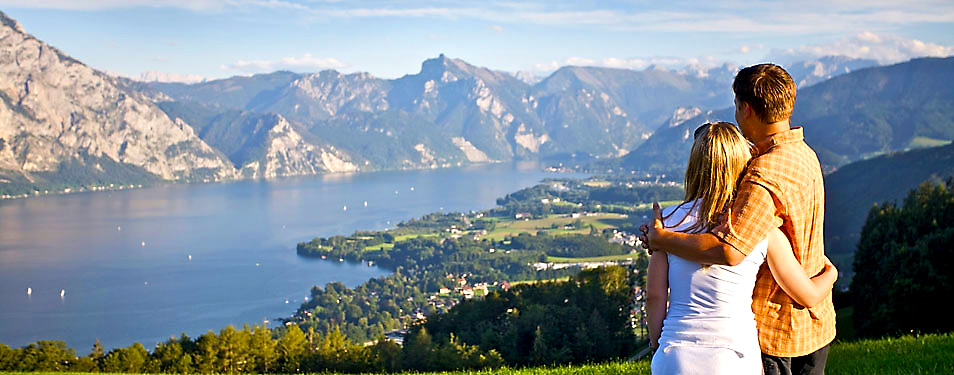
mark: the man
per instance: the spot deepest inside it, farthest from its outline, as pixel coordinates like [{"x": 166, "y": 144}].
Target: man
[{"x": 782, "y": 188}]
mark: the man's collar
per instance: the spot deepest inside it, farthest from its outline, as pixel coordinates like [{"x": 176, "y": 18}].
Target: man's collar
[{"x": 793, "y": 134}]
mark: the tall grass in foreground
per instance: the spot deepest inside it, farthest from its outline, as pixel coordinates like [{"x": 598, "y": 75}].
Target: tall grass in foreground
[{"x": 922, "y": 354}]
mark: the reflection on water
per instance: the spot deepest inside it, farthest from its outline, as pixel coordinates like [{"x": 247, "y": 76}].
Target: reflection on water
[{"x": 142, "y": 265}]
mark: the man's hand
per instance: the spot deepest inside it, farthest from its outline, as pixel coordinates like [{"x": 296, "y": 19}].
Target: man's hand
[{"x": 650, "y": 233}]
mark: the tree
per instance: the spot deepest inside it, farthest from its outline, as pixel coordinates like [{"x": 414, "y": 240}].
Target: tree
[
  {"x": 167, "y": 355},
  {"x": 262, "y": 350},
  {"x": 386, "y": 356},
  {"x": 417, "y": 350},
  {"x": 291, "y": 348},
  {"x": 97, "y": 353},
  {"x": 904, "y": 263},
  {"x": 7, "y": 358},
  {"x": 540, "y": 352},
  {"x": 233, "y": 349},
  {"x": 128, "y": 360},
  {"x": 207, "y": 353},
  {"x": 84, "y": 364}
]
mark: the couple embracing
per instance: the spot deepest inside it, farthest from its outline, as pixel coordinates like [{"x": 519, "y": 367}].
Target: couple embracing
[{"x": 742, "y": 260}]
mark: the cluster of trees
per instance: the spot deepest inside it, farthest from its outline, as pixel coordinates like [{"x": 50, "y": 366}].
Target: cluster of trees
[
  {"x": 367, "y": 311},
  {"x": 904, "y": 265},
  {"x": 345, "y": 247},
  {"x": 573, "y": 246},
  {"x": 619, "y": 196},
  {"x": 435, "y": 221},
  {"x": 582, "y": 320},
  {"x": 422, "y": 266},
  {"x": 255, "y": 350}
]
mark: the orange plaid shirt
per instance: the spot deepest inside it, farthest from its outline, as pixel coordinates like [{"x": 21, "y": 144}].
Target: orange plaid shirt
[{"x": 783, "y": 187}]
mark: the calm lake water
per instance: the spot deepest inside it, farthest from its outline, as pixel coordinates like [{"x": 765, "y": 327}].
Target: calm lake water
[{"x": 141, "y": 265}]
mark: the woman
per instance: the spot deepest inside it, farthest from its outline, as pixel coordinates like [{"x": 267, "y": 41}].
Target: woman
[{"x": 709, "y": 327}]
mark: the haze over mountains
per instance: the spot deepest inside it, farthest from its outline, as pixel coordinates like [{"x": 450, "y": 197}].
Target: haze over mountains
[{"x": 64, "y": 124}]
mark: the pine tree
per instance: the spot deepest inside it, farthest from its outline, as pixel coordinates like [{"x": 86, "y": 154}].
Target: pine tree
[
  {"x": 386, "y": 355},
  {"x": 417, "y": 350},
  {"x": 540, "y": 352},
  {"x": 291, "y": 348},
  {"x": 207, "y": 356},
  {"x": 262, "y": 350},
  {"x": 233, "y": 348},
  {"x": 168, "y": 355},
  {"x": 97, "y": 354}
]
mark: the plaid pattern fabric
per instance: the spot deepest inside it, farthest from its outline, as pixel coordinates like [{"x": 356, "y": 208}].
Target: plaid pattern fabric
[{"x": 783, "y": 188}]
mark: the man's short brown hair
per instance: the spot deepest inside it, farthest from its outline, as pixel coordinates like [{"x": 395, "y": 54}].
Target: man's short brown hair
[{"x": 768, "y": 89}]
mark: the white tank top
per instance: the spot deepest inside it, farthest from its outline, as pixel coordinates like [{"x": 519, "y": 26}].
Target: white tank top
[{"x": 710, "y": 306}]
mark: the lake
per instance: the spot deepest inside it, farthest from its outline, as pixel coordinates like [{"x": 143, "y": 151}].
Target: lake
[{"x": 141, "y": 265}]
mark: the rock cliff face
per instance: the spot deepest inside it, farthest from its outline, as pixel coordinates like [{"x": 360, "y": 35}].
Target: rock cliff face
[
  {"x": 55, "y": 111},
  {"x": 287, "y": 153}
]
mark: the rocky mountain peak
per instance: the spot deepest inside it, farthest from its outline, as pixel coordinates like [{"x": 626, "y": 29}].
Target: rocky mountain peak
[
  {"x": 56, "y": 112},
  {"x": 443, "y": 68},
  {"x": 11, "y": 23}
]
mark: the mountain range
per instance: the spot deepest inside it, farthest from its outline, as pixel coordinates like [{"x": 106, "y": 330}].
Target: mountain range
[
  {"x": 64, "y": 124},
  {"x": 850, "y": 117}
]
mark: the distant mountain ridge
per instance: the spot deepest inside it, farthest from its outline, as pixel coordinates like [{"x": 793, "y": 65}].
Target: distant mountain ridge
[
  {"x": 471, "y": 114},
  {"x": 850, "y": 117}
]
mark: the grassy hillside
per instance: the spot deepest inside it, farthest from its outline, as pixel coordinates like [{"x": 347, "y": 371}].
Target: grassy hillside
[
  {"x": 925, "y": 354},
  {"x": 853, "y": 189}
]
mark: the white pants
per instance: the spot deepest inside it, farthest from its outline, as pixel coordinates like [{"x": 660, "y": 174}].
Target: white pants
[{"x": 690, "y": 359}]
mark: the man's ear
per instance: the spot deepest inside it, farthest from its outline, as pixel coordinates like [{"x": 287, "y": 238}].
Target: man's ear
[{"x": 746, "y": 110}]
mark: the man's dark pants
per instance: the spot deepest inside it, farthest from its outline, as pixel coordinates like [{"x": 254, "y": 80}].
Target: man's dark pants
[{"x": 811, "y": 364}]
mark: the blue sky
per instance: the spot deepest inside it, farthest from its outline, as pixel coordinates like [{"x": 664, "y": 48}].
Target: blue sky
[{"x": 181, "y": 39}]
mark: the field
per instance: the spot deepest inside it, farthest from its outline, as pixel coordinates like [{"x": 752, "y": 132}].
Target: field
[
  {"x": 591, "y": 259},
  {"x": 554, "y": 225},
  {"x": 397, "y": 239}
]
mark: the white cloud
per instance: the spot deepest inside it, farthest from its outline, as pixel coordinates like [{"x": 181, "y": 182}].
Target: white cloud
[
  {"x": 304, "y": 63},
  {"x": 628, "y": 63},
  {"x": 794, "y": 18},
  {"x": 885, "y": 49},
  {"x": 156, "y": 76},
  {"x": 497, "y": 28},
  {"x": 113, "y": 4}
]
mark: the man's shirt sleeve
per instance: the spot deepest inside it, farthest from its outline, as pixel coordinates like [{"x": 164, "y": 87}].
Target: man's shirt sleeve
[{"x": 753, "y": 215}]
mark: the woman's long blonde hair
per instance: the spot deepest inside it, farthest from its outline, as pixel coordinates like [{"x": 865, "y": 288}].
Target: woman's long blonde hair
[{"x": 718, "y": 159}]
